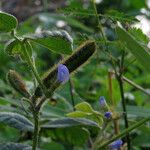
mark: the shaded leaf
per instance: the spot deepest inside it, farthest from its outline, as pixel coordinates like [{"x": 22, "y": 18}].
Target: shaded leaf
[
  {"x": 16, "y": 120},
  {"x": 57, "y": 41},
  {"x": 14, "y": 146},
  {"x": 137, "y": 111},
  {"x": 7, "y": 22},
  {"x": 6, "y": 101},
  {"x": 70, "y": 122},
  {"x": 72, "y": 135},
  {"x": 13, "y": 47}
]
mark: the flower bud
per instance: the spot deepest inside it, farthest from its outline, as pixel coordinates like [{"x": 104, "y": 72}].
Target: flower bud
[
  {"x": 17, "y": 83},
  {"x": 108, "y": 115},
  {"x": 62, "y": 73},
  {"x": 102, "y": 101},
  {"x": 115, "y": 145}
]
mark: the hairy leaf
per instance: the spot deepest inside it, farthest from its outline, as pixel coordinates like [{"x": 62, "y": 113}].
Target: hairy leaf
[
  {"x": 7, "y": 22},
  {"x": 16, "y": 120},
  {"x": 73, "y": 62},
  {"x": 85, "y": 107},
  {"x": 13, "y": 47},
  {"x": 70, "y": 122},
  {"x": 56, "y": 41},
  {"x": 14, "y": 146}
]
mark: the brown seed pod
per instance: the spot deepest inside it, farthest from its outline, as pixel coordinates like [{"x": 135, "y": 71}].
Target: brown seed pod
[{"x": 17, "y": 83}]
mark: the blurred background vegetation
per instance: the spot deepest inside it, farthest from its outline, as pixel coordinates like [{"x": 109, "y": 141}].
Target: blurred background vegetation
[{"x": 90, "y": 81}]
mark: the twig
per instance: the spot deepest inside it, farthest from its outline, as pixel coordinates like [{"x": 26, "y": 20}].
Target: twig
[
  {"x": 71, "y": 93},
  {"x": 116, "y": 122},
  {"x": 125, "y": 132},
  {"x": 136, "y": 85},
  {"x": 123, "y": 100}
]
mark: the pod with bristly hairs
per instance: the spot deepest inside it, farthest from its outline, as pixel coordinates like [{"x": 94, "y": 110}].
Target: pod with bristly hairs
[
  {"x": 78, "y": 58},
  {"x": 17, "y": 83}
]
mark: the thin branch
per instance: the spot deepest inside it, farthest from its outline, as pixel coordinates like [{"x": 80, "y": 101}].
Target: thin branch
[
  {"x": 123, "y": 100},
  {"x": 71, "y": 93},
  {"x": 125, "y": 132}
]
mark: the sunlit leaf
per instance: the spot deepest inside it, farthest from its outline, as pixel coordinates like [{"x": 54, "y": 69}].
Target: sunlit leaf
[{"x": 140, "y": 52}]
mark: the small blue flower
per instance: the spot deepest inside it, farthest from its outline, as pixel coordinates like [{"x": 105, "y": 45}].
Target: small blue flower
[
  {"x": 62, "y": 74},
  {"x": 108, "y": 115},
  {"x": 115, "y": 145},
  {"x": 102, "y": 101}
]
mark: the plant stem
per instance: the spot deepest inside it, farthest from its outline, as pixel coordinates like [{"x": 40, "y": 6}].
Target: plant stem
[
  {"x": 110, "y": 91},
  {"x": 124, "y": 110},
  {"x": 136, "y": 85},
  {"x": 125, "y": 132},
  {"x": 31, "y": 65},
  {"x": 123, "y": 100},
  {"x": 35, "y": 112},
  {"x": 36, "y": 130},
  {"x": 98, "y": 138},
  {"x": 98, "y": 21},
  {"x": 71, "y": 93}
]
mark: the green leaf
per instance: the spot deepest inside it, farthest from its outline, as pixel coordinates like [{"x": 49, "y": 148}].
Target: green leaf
[
  {"x": 13, "y": 47},
  {"x": 68, "y": 129},
  {"x": 16, "y": 120},
  {"x": 78, "y": 114},
  {"x": 7, "y": 22},
  {"x": 72, "y": 135},
  {"x": 120, "y": 16},
  {"x": 70, "y": 122},
  {"x": 6, "y": 101},
  {"x": 14, "y": 146},
  {"x": 52, "y": 146},
  {"x": 140, "y": 52},
  {"x": 139, "y": 36},
  {"x": 56, "y": 41},
  {"x": 85, "y": 107},
  {"x": 137, "y": 111}
]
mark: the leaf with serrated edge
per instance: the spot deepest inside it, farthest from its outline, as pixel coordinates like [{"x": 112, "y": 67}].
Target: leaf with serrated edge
[{"x": 142, "y": 55}]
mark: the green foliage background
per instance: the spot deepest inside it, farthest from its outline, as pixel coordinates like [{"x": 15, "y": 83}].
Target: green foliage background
[{"x": 90, "y": 82}]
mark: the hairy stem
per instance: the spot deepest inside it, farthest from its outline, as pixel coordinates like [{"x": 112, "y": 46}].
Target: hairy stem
[
  {"x": 36, "y": 130},
  {"x": 98, "y": 21},
  {"x": 33, "y": 68},
  {"x": 125, "y": 132}
]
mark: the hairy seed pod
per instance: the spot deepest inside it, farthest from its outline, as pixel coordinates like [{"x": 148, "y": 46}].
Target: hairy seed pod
[
  {"x": 17, "y": 83},
  {"x": 78, "y": 58}
]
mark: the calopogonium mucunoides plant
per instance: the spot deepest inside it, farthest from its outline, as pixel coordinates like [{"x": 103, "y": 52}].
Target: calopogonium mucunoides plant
[{"x": 83, "y": 115}]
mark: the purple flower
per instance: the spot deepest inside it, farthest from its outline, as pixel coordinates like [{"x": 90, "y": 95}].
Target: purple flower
[
  {"x": 115, "y": 145},
  {"x": 102, "y": 101},
  {"x": 108, "y": 115},
  {"x": 62, "y": 74}
]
